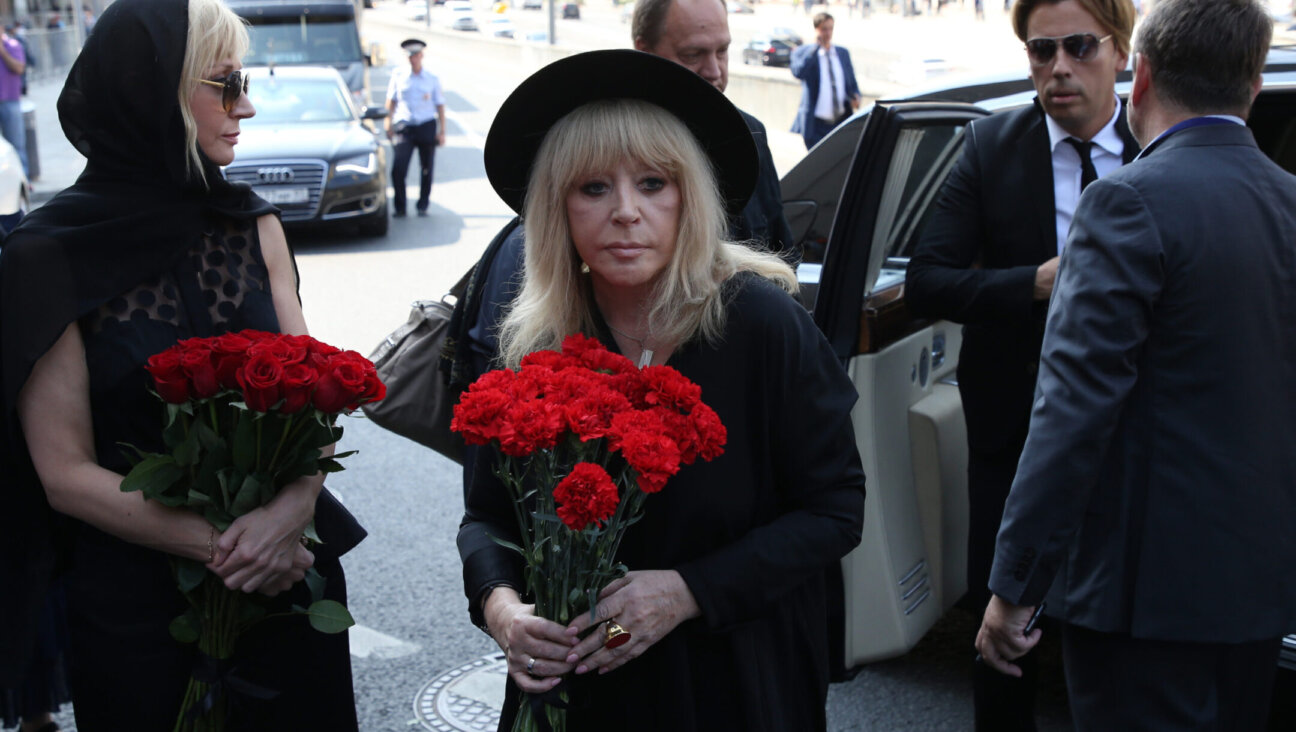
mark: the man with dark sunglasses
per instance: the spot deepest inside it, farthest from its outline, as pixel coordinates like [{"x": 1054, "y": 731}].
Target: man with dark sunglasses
[
  {"x": 988, "y": 256},
  {"x": 1156, "y": 490}
]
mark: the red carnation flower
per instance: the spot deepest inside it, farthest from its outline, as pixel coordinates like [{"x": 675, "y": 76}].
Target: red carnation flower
[
  {"x": 531, "y": 425},
  {"x": 478, "y": 415},
  {"x": 586, "y": 496},
  {"x": 667, "y": 387}
]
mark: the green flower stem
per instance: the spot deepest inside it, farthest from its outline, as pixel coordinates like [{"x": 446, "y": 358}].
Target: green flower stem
[{"x": 289, "y": 423}]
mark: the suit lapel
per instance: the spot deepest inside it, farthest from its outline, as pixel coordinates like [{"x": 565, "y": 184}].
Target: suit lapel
[{"x": 1037, "y": 161}]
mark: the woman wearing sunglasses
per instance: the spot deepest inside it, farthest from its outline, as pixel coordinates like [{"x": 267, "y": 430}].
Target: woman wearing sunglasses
[{"x": 151, "y": 245}]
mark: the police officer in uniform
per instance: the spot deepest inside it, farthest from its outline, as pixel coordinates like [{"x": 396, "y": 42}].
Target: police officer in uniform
[{"x": 417, "y": 120}]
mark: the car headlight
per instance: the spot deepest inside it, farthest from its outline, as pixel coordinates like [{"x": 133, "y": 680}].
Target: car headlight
[{"x": 362, "y": 165}]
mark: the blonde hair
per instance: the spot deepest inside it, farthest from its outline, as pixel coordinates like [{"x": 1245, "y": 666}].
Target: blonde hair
[
  {"x": 215, "y": 33},
  {"x": 687, "y": 302}
]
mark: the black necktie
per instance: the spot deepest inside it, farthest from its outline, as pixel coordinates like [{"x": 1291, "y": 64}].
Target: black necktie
[{"x": 1087, "y": 172}]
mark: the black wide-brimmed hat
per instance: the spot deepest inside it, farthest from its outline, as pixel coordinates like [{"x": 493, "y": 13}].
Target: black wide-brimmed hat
[{"x": 550, "y": 93}]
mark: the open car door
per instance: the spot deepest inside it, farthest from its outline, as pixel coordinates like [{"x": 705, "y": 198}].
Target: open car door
[{"x": 910, "y": 565}]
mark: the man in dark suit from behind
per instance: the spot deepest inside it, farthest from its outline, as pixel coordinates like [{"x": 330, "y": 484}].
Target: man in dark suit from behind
[
  {"x": 1155, "y": 495},
  {"x": 988, "y": 256}
]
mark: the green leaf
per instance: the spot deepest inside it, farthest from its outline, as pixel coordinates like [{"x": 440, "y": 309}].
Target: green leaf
[
  {"x": 329, "y": 465},
  {"x": 197, "y": 499},
  {"x": 315, "y": 582},
  {"x": 189, "y": 451},
  {"x": 185, "y": 628},
  {"x": 189, "y": 574},
  {"x": 508, "y": 545},
  {"x": 248, "y": 496},
  {"x": 153, "y": 476},
  {"x": 329, "y": 616},
  {"x": 340, "y": 455}
]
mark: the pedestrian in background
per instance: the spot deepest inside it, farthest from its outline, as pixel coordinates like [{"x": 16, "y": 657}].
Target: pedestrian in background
[
  {"x": 829, "y": 92},
  {"x": 149, "y": 246},
  {"x": 416, "y": 121},
  {"x": 13, "y": 64},
  {"x": 1154, "y": 499}
]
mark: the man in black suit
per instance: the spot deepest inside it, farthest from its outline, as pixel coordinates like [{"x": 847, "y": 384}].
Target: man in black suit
[
  {"x": 988, "y": 257},
  {"x": 1158, "y": 482}
]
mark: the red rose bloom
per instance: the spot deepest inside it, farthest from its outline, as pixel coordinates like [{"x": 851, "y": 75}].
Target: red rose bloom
[
  {"x": 587, "y": 495},
  {"x": 260, "y": 380},
  {"x": 342, "y": 382},
  {"x": 298, "y": 385},
  {"x": 196, "y": 359},
  {"x": 286, "y": 348},
  {"x": 229, "y": 352},
  {"x": 169, "y": 377}
]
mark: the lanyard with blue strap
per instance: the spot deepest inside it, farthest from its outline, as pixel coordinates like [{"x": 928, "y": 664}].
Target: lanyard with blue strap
[{"x": 1186, "y": 124}]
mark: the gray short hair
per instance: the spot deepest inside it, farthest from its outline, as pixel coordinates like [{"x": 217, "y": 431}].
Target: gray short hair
[
  {"x": 1206, "y": 54},
  {"x": 649, "y": 21}
]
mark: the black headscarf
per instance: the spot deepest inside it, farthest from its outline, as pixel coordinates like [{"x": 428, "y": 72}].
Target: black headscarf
[{"x": 132, "y": 214}]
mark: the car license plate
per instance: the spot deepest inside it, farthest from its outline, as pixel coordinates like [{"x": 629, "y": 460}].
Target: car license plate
[{"x": 283, "y": 194}]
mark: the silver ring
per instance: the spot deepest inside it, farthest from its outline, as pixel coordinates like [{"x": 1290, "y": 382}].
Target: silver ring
[{"x": 531, "y": 667}]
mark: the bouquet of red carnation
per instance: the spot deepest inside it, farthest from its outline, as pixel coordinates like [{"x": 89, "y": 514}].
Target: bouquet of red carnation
[
  {"x": 246, "y": 414},
  {"x": 584, "y": 437}
]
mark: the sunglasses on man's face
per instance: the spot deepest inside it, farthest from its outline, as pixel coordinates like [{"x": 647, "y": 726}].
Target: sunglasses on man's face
[
  {"x": 1079, "y": 46},
  {"x": 232, "y": 87}
]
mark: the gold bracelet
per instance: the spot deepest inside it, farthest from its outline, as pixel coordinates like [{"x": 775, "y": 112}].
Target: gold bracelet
[{"x": 211, "y": 548}]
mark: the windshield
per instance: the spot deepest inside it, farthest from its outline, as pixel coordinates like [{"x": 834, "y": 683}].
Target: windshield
[
  {"x": 280, "y": 101},
  {"x": 295, "y": 40}
]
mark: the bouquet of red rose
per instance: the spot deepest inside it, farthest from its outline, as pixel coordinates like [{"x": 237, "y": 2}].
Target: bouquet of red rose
[
  {"x": 584, "y": 437},
  {"x": 246, "y": 414}
]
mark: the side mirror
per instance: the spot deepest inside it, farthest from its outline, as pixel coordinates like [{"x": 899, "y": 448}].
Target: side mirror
[{"x": 374, "y": 113}]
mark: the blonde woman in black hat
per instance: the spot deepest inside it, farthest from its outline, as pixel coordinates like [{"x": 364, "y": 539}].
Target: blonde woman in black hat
[
  {"x": 417, "y": 121},
  {"x": 623, "y": 166}
]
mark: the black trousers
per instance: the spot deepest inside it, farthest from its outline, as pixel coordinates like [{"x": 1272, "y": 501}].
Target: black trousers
[
  {"x": 1116, "y": 682},
  {"x": 422, "y": 137},
  {"x": 1001, "y": 702}
]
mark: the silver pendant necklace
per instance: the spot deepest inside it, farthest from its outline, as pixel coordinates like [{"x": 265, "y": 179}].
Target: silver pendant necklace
[{"x": 645, "y": 353}]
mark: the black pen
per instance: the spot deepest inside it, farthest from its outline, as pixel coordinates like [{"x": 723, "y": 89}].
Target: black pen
[{"x": 1030, "y": 625}]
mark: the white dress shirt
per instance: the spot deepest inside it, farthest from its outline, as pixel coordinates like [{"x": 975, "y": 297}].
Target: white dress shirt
[
  {"x": 417, "y": 96},
  {"x": 1106, "y": 155},
  {"x": 824, "y": 104}
]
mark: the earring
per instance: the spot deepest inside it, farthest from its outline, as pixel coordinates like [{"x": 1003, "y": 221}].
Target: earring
[{"x": 584, "y": 268}]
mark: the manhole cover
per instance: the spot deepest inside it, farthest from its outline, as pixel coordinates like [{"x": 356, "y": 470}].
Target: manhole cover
[{"x": 464, "y": 699}]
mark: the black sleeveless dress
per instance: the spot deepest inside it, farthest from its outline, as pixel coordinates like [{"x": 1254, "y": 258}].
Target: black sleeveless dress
[{"x": 126, "y": 670}]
